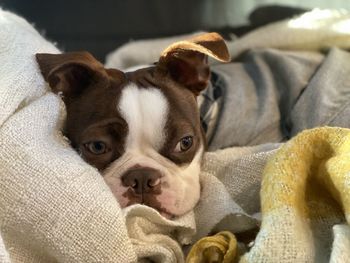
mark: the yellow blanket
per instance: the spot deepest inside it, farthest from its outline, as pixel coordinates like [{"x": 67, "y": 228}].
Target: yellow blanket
[{"x": 305, "y": 202}]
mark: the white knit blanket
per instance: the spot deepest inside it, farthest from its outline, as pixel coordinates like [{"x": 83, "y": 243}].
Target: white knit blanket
[
  {"x": 53, "y": 206},
  {"x": 56, "y": 208}
]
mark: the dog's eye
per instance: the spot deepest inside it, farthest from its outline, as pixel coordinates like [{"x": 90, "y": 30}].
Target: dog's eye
[
  {"x": 96, "y": 147},
  {"x": 184, "y": 144}
]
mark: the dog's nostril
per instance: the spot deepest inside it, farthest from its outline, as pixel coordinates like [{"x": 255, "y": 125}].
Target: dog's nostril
[
  {"x": 134, "y": 184},
  {"x": 142, "y": 180},
  {"x": 153, "y": 182}
]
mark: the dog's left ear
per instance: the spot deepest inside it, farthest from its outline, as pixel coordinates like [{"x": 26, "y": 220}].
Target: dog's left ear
[
  {"x": 71, "y": 73},
  {"x": 187, "y": 61}
]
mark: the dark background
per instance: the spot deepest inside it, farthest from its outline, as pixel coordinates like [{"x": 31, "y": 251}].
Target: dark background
[{"x": 100, "y": 26}]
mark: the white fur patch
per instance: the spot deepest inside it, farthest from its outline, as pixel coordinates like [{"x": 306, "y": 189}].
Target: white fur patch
[{"x": 145, "y": 110}]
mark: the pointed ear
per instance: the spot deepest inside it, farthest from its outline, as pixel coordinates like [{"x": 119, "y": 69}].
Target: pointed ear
[
  {"x": 70, "y": 73},
  {"x": 187, "y": 61}
]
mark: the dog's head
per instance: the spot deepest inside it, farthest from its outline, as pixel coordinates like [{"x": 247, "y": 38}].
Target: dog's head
[{"x": 141, "y": 129}]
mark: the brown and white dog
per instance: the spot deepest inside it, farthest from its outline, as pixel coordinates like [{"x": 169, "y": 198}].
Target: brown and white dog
[{"x": 141, "y": 129}]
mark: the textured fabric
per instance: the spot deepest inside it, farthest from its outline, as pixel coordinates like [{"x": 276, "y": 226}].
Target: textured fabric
[
  {"x": 315, "y": 30},
  {"x": 210, "y": 102},
  {"x": 156, "y": 239},
  {"x": 221, "y": 247},
  {"x": 259, "y": 94},
  {"x": 53, "y": 206},
  {"x": 278, "y": 71},
  {"x": 4, "y": 256},
  {"x": 305, "y": 192},
  {"x": 305, "y": 202},
  {"x": 230, "y": 183},
  {"x": 341, "y": 244}
]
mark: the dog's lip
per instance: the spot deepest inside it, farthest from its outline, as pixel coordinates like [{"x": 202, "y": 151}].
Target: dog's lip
[
  {"x": 162, "y": 211},
  {"x": 166, "y": 214}
]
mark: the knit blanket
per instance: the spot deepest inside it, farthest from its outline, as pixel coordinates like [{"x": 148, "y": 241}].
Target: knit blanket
[
  {"x": 53, "y": 206},
  {"x": 305, "y": 205}
]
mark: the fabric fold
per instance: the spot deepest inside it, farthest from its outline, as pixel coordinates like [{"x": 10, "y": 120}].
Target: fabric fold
[
  {"x": 53, "y": 206},
  {"x": 305, "y": 192}
]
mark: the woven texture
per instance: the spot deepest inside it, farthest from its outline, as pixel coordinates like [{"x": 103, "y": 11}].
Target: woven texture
[
  {"x": 305, "y": 192},
  {"x": 53, "y": 206},
  {"x": 305, "y": 203},
  {"x": 318, "y": 29}
]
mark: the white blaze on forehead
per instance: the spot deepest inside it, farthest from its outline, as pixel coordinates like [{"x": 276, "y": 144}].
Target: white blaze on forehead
[{"x": 145, "y": 110}]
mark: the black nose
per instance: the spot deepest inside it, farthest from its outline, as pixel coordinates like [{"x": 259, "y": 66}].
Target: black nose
[{"x": 142, "y": 180}]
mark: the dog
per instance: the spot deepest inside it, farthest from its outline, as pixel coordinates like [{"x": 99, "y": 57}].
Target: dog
[{"x": 140, "y": 129}]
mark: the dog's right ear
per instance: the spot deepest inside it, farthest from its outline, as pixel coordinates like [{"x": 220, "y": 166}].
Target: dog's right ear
[
  {"x": 70, "y": 73},
  {"x": 187, "y": 61}
]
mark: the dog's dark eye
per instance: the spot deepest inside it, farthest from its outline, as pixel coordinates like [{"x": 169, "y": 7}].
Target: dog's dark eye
[
  {"x": 184, "y": 144},
  {"x": 96, "y": 147}
]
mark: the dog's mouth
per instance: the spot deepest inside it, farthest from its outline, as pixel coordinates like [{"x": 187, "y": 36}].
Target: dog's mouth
[
  {"x": 150, "y": 201},
  {"x": 162, "y": 211}
]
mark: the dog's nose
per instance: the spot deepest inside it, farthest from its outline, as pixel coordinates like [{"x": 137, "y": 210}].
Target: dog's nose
[{"x": 142, "y": 180}]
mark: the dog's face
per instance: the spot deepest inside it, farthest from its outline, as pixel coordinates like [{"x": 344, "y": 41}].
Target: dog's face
[{"x": 141, "y": 129}]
